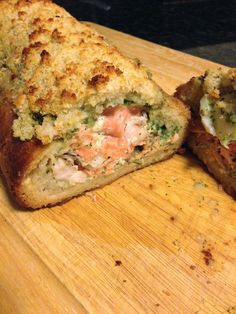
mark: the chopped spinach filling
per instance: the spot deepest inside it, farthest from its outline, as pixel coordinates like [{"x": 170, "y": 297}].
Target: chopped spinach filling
[
  {"x": 89, "y": 121},
  {"x": 218, "y": 116},
  {"x": 162, "y": 126},
  {"x": 128, "y": 102},
  {"x": 91, "y": 117},
  {"x": 158, "y": 123},
  {"x": 70, "y": 133},
  {"x": 162, "y": 129},
  {"x": 233, "y": 118}
]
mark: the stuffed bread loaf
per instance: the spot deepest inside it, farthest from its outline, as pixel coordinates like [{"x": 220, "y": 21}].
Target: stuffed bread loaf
[
  {"x": 75, "y": 113},
  {"x": 212, "y": 136}
]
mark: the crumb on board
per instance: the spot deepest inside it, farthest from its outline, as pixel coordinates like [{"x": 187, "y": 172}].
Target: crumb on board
[
  {"x": 233, "y": 209},
  {"x": 166, "y": 293},
  {"x": 151, "y": 186},
  {"x": 118, "y": 263},
  {"x": 212, "y": 203},
  {"x": 200, "y": 185},
  {"x": 207, "y": 256},
  {"x": 192, "y": 267},
  {"x": 92, "y": 196},
  {"x": 177, "y": 243},
  {"x": 172, "y": 218},
  {"x": 232, "y": 309},
  {"x": 214, "y": 214},
  {"x": 201, "y": 239}
]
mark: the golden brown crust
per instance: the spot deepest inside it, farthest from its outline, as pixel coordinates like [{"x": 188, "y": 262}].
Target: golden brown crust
[
  {"x": 190, "y": 93},
  {"x": 15, "y": 155},
  {"x": 57, "y": 57},
  {"x": 218, "y": 160},
  {"x": 180, "y": 107},
  {"x": 52, "y": 64},
  {"x": 206, "y": 147}
]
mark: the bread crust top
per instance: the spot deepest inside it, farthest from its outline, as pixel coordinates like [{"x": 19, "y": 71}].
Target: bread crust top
[
  {"x": 51, "y": 62},
  {"x": 55, "y": 70}
]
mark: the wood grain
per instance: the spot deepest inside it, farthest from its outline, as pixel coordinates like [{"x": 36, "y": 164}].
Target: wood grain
[{"x": 160, "y": 240}]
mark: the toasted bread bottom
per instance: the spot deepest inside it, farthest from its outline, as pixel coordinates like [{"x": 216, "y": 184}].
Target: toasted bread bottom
[
  {"x": 206, "y": 147},
  {"x": 32, "y": 195}
]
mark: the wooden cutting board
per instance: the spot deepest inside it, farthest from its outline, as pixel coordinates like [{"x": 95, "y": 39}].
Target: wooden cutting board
[{"x": 160, "y": 240}]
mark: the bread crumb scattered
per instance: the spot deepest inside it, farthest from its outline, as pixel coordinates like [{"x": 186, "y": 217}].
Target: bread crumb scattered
[
  {"x": 200, "y": 185},
  {"x": 207, "y": 256},
  {"x": 166, "y": 293},
  {"x": 192, "y": 267},
  {"x": 92, "y": 196},
  {"x": 232, "y": 309},
  {"x": 118, "y": 263}
]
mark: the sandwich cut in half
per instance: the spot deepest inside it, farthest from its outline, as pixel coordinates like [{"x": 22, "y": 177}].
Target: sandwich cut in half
[
  {"x": 75, "y": 113},
  {"x": 212, "y": 136}
]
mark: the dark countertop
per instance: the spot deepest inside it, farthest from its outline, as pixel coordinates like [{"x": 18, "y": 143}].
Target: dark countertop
[{"x": 205, "y": 28}]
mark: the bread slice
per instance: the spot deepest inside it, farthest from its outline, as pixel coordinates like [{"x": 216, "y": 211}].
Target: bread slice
[
  {"x": 75, "y": 113},
  {"x": 212, "y": 136}
]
